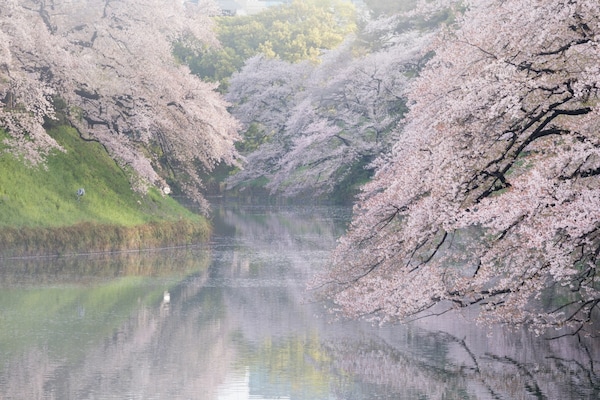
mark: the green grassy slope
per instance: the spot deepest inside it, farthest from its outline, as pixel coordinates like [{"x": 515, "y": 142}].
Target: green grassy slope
[
  {"x": 41, "y": 214},
  {"x": 47, "y": 197}
]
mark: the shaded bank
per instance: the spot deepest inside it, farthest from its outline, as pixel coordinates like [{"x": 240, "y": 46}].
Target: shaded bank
[{"x": 90, "y": 237}]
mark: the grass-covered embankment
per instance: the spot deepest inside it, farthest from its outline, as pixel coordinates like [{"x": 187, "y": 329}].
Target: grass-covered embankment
[{"x": 40, "y": 212}]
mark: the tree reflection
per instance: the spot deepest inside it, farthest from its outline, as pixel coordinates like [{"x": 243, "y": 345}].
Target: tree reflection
[
  {"x": 68, "y": 321},
  {"x": 237, "y": 321},
  {"x": 438, "y": 365}
]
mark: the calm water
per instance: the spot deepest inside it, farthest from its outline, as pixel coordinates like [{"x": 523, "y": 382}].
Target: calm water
[{"x": 236, "y": 325}]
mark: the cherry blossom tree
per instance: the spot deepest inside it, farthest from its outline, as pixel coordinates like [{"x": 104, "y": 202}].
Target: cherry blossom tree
[
  {"x": 347, "y": 119},
  {"x": 491, "y": 195},
  {"x": 111, "y": 63},
  {"x": 323, "y": 123},
  {"x": 263, "y": 95},
  {"x": 25, "y": 91}
]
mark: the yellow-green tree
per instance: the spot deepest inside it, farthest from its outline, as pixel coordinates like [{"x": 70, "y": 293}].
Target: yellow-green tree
[{"x": 291, "y": 32}]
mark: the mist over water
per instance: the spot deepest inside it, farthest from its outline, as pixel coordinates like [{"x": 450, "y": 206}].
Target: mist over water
[{"x": 232, "y": 320}]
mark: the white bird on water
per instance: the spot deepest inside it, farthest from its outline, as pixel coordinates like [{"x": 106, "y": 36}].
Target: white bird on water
[{"x": 166, "y": 297}]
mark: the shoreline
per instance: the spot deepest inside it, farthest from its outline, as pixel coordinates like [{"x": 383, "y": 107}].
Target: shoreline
[{"x": 91, "y": 237}]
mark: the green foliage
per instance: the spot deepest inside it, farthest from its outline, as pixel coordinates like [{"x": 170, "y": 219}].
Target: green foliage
[
  {"x": 292, "y": 32},
  {"x": 254, "y": 136}
]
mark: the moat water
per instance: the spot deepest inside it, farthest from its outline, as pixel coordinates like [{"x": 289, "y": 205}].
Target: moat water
[{"x": 231, "y": 320}]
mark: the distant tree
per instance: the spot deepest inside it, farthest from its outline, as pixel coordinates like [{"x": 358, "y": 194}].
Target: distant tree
[
  {"x": 324, "y": 123},
  {"x": 491, "y": 196},
  {"x": 111, "y": 63},
  {"x": 292, "y": 32}
]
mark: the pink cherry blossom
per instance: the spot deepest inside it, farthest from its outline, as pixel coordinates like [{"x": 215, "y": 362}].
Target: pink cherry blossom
[
  {"x": 112, "y": 63},
  {"x": 491, "y": 196}
]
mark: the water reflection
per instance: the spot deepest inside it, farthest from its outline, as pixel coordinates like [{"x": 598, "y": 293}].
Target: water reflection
[{"x": 231, "y": 321}]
